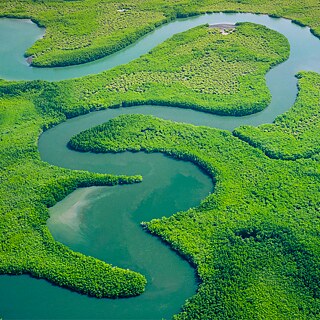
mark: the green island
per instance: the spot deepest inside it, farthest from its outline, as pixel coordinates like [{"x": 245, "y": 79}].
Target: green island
[
  {"x": 254, "y": 241},
  {"x": 185, "y": 71},
  {"x": 112, "y": 25}
]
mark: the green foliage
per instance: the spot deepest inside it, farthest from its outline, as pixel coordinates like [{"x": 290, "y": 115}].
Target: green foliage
[
  {"x": 70, "y": 41},
  {"x": 29, "y": 186},
  {"x": 111, "y": 25},
  {"x": 254, "y": 241},
  {"x": 200, "y": 69},
  {"x": 294, "y": 134},
  {"x": 27, "y": 108}
]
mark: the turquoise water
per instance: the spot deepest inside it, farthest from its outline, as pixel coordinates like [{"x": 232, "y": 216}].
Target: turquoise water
[{"x": 90, "y": 220}]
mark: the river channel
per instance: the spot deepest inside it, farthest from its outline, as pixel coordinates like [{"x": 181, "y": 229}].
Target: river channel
[{"x": 104, "y": 221}]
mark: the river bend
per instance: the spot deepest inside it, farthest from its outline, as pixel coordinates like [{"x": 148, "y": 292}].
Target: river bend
[{"x": 85, "y": 220}]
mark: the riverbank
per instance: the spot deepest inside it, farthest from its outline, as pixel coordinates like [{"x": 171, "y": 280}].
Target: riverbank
[{"x": 69, "y": 44}]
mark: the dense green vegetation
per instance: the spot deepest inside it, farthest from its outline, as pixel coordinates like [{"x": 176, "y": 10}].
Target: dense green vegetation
[
  {"x": 294, "y": 134},
  {"x": 27, "y": 108},
  {"x": 28, "y": 187},
  {"x": 255, "y": 240},
  {"x": 185, "y": 71},
  {"x": 111, "y": 25}
]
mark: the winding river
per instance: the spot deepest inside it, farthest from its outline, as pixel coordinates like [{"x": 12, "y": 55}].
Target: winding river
[{"x": 104, "y": 221}]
